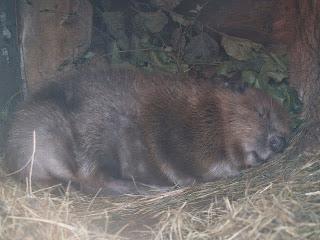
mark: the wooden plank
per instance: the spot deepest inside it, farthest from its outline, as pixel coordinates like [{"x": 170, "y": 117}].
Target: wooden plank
[{"x": 53, "y": 33}]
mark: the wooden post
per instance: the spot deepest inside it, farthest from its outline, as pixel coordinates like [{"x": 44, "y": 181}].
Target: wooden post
[
  {"x": 304, "y": 55},
  {"x": 52, "y": 33}
]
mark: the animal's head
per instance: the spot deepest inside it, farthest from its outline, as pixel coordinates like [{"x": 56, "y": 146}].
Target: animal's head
[{"x": 260, "y": 125}]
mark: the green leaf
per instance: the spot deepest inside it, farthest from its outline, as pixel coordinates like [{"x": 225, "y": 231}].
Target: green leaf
[
  {"x": 293, "y": 102},
  {"x": 162, "y": 61},
  {"x": 115, "y": 22},
  {"x": 152, "y": 22},
  {"x": 249, "y": 77},
  {"x": 277, "y": 76},
  {"x": 178, "y": 18},
  {"x": 228, "y": 68},
  {"x": 273, "y": 68},
  {"x": 239, "y": 48},
  {"x": 201, "y": 49}
]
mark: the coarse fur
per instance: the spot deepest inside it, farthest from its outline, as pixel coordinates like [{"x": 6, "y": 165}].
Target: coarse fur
[{"x": 115, "y": 129}]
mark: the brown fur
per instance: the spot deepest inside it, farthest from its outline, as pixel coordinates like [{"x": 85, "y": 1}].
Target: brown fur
[{"x": 102, "y": 129}]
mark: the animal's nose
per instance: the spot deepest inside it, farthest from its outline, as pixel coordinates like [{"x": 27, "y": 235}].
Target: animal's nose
[{"x": 277, "y": 143}]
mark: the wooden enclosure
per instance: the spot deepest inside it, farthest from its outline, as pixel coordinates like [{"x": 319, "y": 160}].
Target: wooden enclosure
[{"x": 53, "y": 32}]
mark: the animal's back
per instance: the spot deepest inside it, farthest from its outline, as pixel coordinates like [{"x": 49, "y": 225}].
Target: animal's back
[{"x": 112, "y": 129}]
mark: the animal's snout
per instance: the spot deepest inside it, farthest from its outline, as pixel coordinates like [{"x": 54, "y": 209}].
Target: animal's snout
[{"x": 277, "y": 143}]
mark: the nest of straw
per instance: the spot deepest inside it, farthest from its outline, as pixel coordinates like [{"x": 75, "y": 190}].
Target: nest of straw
[{"x": 279, "y": 200}]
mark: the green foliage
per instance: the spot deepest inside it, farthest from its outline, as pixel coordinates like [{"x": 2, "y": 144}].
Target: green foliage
[
  {"x": 239, "y": 48},
  {"x": 158, "y": 39},
  {"x": 152, "y": 22},
  {"x": 261, "y": 69}
]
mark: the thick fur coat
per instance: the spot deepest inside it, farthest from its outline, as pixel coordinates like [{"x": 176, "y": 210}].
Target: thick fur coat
[{"x": 114, "y": 129}]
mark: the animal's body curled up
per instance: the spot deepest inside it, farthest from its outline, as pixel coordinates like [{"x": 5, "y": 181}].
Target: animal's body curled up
[{"x": 104, "y": 129}]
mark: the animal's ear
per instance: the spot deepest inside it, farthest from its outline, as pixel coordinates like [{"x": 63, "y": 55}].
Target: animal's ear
[
  {"x": 235, "y": 83},
  {"x": 242, "y": 87}
]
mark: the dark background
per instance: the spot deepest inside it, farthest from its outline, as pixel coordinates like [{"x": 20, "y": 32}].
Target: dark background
[{"x": 10, "y": 77}]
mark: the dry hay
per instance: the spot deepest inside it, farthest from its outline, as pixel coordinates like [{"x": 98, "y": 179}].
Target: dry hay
[{"x": 279, "y": 200}]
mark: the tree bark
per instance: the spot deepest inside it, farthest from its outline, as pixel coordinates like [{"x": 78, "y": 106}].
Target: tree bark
[{"x": 304, "y": 56}]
